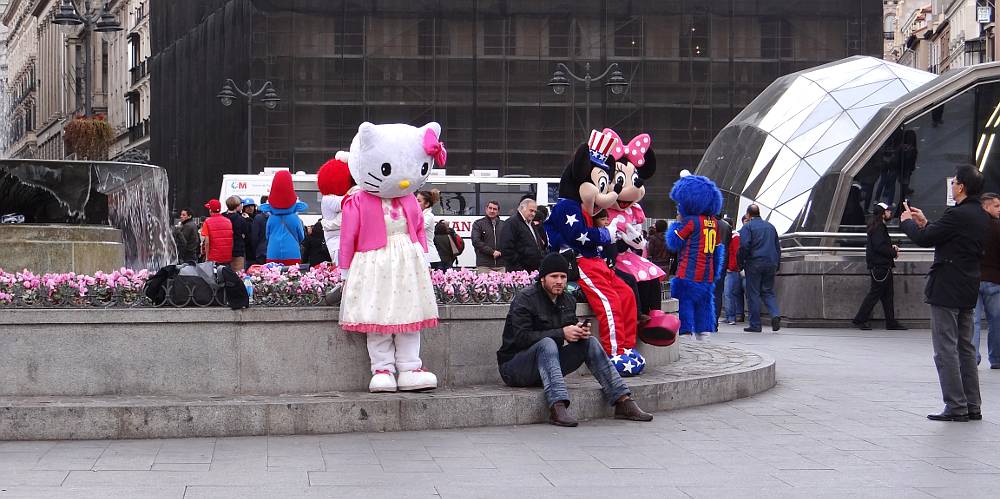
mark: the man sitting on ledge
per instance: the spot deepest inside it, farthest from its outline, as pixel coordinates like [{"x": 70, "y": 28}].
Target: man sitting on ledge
[{"x": 543, "y": 341}]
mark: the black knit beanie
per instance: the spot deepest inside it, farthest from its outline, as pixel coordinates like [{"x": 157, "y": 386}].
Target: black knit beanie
[{"x": 553, "y": 262}]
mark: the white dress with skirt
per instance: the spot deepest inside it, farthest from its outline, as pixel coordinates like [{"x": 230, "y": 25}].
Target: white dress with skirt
[{"x": 389, "y": 289}]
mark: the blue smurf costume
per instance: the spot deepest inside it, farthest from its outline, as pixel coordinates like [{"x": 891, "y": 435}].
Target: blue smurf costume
[{"x": 700, "y": 256}]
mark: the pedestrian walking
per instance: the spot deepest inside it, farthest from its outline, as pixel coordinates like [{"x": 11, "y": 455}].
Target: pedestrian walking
[
  {"x": 952, "y": 290},
  {"x": 760, "y": 257},
  {"x": 880, "y": 255},
  {"x": 485, "y": 234},
  {"x": 519, "y": 241},
  {"x": 657, "y": 251},
  {"x": 989, "y": 284}
]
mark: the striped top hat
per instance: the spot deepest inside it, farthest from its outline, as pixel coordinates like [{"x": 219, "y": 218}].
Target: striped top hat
[{"x": 601, "y": 145}]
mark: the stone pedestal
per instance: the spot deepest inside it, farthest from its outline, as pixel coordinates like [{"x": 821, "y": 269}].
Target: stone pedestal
[
  {"x": 83, "y": 249},
  {"x": 826, "y": 289}
]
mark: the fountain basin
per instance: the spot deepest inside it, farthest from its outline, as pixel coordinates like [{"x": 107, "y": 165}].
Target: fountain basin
[{"x": 84, "y": 249}]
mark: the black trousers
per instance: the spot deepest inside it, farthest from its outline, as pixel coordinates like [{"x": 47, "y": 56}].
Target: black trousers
[{"x": 881, "y": 290}]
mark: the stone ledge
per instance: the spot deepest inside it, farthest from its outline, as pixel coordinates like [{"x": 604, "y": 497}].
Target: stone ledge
[{"x": 705, "y": 374}]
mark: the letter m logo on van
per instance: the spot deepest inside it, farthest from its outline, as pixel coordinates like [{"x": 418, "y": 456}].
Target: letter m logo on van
[{"x": 238, "y": 185}]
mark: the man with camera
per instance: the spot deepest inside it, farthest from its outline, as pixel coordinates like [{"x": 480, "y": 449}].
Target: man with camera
[
  {"x": 543, "y": 341},
  {"x": 952, "y": 290}
]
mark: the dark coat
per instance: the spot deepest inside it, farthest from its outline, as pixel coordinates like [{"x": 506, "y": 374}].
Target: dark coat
[
  {"x": 957, "y": 238},
  {"x": 189, "y": 248},
  {"x": 878, "y": 251},
  {"x": 241, "y": 232},
  {"x": 484, "y": 240},
  {"x": 533, "y": 316},
  {"x": 258, "y": 238},
  {"x": 519, "y": 245}
]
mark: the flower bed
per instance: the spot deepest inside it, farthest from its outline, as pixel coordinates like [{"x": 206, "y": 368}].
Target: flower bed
[{"x": 272, "y": 287}]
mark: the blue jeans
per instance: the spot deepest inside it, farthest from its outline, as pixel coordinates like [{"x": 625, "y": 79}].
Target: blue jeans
[
  {"x": 989, "y": 301},
  {"x": 545, "y": 363},
  {"x": 734, "y": 295},
  {"x": 760, "y": 286}
]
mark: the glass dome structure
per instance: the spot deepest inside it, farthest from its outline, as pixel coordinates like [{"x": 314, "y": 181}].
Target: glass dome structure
[{"x": 777, "y": 150}]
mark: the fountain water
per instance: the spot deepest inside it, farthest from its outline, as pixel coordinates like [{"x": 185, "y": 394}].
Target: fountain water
[{"x": 127, "y": 196}]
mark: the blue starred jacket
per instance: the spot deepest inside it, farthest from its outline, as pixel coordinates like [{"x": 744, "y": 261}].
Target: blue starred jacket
[{"x": 567, "y": 227}]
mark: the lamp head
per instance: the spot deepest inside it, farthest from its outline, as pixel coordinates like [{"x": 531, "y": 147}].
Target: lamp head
[
  {"x": 226, "y": 95},
  {"x": 270, "y": 98},
  {"x": 558, "y": 83},
  {"x": 617, "y": 82}
]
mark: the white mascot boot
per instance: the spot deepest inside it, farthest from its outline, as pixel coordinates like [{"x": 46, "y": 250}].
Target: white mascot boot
[
  {"x": 382, "y": 381},
  {"x": 417, "y": 379}
]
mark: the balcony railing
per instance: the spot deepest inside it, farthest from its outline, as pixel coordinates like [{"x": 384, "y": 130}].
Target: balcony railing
[
  {"x": 138, "y": 131},
  {"x": 139, "y": 72}
]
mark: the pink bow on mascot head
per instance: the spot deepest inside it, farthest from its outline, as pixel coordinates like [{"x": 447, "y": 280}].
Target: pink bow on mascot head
[
  {"x": 635, "y": 151},
  {"x": 435, "y": 147}
]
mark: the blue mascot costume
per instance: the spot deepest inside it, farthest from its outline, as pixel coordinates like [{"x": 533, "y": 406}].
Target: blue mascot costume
[{"x": 700, "y": 257}]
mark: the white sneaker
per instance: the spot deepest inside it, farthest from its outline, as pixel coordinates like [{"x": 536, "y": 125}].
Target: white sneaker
[
  {"x": 417, "y": 379},
  {"x": 382, "y": 381}
]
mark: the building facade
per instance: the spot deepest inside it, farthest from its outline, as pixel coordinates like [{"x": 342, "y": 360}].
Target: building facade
[
  {"x": 480, "y": 68},
  {"x": 128, "y": 70},
  {"x": 47, "y": 82},
  {"x": 939, "y": 35}
]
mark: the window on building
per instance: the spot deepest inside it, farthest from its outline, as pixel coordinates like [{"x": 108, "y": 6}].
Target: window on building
[
  {"x": 432, "y": 37},
  {"x": 775, "y": 38},
  {"x": 628, "y": 37},
  {"x": 694, "y": 38},
  {"x": 351, "y": 39},
  {"x": 134, "y": 50},
  {"x": 559, "y": 43},
  {"x": 498, "y": 36},
  {"x": 889, "y": 27}
]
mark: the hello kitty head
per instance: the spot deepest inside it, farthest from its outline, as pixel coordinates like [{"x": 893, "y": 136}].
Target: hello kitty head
[{"x": 394, "y": 160}]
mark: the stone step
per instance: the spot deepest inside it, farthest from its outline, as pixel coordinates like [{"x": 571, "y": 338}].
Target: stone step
[{"x": 705, "y": 373}]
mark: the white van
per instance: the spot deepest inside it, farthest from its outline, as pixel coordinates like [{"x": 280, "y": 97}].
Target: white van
[{"x": 463, "y": 197}]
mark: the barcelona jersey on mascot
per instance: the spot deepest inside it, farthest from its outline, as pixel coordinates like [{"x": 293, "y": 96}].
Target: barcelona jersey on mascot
[{"x": 694, "y": 238}]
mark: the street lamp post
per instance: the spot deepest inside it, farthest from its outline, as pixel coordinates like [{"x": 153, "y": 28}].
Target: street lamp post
[
  {"x": 103, "y": 21},
  {"x": 230, "y": 90},
  {"x": 560, "y": 82}
]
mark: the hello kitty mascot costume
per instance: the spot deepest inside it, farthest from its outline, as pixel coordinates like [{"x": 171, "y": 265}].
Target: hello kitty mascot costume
[{"x": 387, "y": 287}]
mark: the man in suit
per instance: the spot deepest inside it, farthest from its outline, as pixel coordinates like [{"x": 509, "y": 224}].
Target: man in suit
[
  {"x": 952, "y": 289},
  {"x": 519, "y": 241}
]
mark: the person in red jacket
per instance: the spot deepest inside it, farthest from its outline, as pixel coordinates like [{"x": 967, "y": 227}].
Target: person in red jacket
[
  {"x": 734, "y": 281},
  {"x": 218, "y": 232}
]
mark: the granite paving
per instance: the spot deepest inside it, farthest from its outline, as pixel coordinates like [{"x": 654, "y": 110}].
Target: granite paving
[{"x": 846, "y": 419}]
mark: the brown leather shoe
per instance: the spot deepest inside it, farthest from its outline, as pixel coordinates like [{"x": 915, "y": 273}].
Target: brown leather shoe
[
  {"x": 559, "y": 415},
  {"x": 628, "y": 409}
]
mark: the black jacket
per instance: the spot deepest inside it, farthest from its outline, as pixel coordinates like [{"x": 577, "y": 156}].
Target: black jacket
[
  {"x": 190, "y": 249},
  {"x": 484, "y": 240},
  {"x": 519, "y": 245},
  {"x": 533, "y": 316},
  {"x": 957, "y": 239},
  {"x": 878, "y": 250},
  {"x": 241, "y": 232}
]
